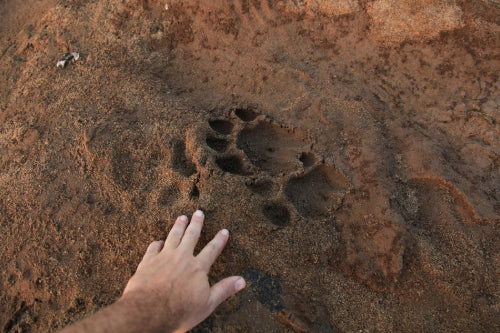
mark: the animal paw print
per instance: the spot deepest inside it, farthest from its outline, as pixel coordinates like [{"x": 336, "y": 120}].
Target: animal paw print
[
  {"x": 182, "y": 163},
  {"x": 278, "y": 165}
]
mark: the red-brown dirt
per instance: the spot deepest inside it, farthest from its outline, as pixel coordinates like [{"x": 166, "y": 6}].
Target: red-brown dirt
[{"x": 352, "y": 148}]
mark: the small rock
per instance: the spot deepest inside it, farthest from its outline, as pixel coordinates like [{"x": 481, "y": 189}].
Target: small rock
[{"x": 68, "y": 58}]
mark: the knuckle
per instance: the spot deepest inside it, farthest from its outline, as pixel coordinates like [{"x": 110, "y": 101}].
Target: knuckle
[
  {"x": 214, "y": 246},
  {"x": 199, "y": 266},
  {"x": 192, "y": 232},
  {"x": 210, "y": 249},
  {"x": 212, "y": 305},
  {"x": 175, "y": 232}
]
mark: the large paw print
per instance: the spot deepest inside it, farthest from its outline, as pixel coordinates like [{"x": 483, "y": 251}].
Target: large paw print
[{"x": 277, "y": 163}]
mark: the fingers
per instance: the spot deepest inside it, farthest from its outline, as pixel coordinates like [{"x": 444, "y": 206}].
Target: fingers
[
  {"x": 153, "y": 249},
  {"x": 224, "y": 289},
  {"x": 213, "y": 249},
  {"x": 193, "y": 231},
  {"x": 175, "y": 235}
]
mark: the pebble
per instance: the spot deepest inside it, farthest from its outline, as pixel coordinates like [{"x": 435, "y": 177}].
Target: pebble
[{"x": 68, "y": 58}]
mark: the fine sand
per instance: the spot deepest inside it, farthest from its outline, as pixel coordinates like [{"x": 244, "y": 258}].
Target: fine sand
[{"x": 351, "y": 147}]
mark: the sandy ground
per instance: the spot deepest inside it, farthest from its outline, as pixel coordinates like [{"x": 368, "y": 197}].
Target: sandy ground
[{"x": 351, "y": 147}]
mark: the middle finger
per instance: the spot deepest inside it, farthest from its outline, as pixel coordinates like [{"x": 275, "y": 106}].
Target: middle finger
[{"x": 193, "y": 231}]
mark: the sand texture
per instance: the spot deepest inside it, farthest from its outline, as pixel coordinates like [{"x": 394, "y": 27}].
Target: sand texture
[{"x": 352, "y": 148}]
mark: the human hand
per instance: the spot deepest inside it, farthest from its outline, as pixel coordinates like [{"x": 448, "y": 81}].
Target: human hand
[{"x": 170, "y": 287}]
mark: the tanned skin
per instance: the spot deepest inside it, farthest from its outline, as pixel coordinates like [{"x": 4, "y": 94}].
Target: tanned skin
[{"x": 170, "y": 291}]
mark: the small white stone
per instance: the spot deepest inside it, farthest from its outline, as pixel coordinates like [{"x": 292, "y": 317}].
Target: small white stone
[{"x": 166, "y": 6}]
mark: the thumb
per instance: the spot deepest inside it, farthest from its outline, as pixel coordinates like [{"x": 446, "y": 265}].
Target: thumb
[{"x": 224, "y": 289}]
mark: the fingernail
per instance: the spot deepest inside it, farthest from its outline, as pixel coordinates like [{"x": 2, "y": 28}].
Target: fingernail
[
  {"x": 198, "y": 213},
  {"x": 239, "y": 284},
  {"x": 225, "y": 232},
  {"x": 183, "y": 218}
]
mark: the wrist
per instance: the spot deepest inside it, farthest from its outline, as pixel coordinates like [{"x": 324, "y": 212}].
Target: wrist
[{"x": 143, "y": 315}]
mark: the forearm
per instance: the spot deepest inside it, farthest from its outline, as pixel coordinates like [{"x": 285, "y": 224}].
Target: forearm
[
  {"x": 169, "y": 291},
  {"x": 121, "y": 316}
]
